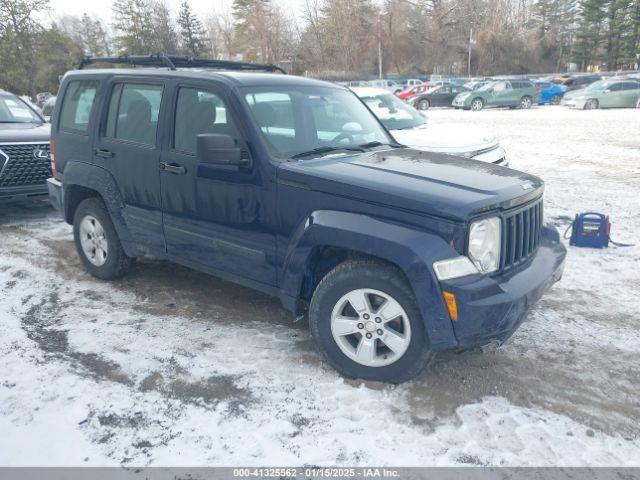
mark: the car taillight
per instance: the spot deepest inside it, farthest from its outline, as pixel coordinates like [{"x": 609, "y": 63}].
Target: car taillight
[
  {"x": 538, "y": 89},
  {"x": 52, "y": 158}
]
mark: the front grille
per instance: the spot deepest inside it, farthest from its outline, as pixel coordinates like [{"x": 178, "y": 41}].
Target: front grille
[
  {"x": 521, "y": 234},
  {"x": 21, "y": 166}
]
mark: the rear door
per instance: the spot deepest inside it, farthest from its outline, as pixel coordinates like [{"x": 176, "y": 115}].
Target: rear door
[
  {"x": 129, "y": 148},
  {"x": 629, "y": 94}
]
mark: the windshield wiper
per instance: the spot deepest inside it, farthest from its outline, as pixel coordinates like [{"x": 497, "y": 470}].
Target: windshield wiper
[
  {"x": 379, "y": 144},
  {"x": 321, "y": 150}
]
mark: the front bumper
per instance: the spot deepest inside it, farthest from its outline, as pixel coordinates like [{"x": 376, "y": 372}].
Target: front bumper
[
  {"x": 574, "y": 102},
  {"x": 491, "y": 308},
  {"x": 20, "y": 194},
  {"x": 459, "y": 102}
]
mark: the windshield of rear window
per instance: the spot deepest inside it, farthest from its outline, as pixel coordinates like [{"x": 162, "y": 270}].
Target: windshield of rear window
[
  {"x": 298, "y": 119},
  {"x": 393, "y": 112},
  {"x": 14, "y": 110}
]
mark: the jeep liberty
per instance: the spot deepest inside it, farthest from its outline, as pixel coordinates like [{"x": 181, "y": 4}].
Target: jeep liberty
[{"x": 293, "y": 187}]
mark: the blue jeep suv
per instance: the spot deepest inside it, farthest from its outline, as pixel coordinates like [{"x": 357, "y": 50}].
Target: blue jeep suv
[{"x": 293, "y": 187}]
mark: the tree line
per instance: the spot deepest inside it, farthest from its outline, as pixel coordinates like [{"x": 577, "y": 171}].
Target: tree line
[{"x": 330, "y": 38}]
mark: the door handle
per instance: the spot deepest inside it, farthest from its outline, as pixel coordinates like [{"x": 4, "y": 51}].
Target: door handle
[
  {"x": 173, "y": 168},
  {"x": 103, "y": 153}
]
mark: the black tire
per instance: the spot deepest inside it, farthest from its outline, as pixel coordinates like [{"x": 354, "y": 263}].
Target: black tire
[
  {"x": 117, "y": 262},
  {"x": 526, "y": 102},
  {"x": 424, "y": 104},
  {"x": 367, "y": 273},
  {"x": 555, "y": 100},
  {"x": 477, "y": 104}
]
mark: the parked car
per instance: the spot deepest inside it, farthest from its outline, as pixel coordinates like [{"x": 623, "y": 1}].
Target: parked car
[
  {"x": 577, "y": 81},
  {"x": 550, "y": 93},
  {"x": 24, "y": 150},
  {"x": 355, "y": 83},
  {"x": 502, "y": 93},
  {"x": 411, "y": 128},
  {"x": 42, "y": 97},
  {"x": 606, "y": 94},
  {"x": 47, "y": 108},
  {"x": 412, "y": 82},
  {"x": 411, "y": 91},
  {"x": 441, "y": 96},
  {"x": 388, "y": 85},
  {"x": 393, "y": 253}
]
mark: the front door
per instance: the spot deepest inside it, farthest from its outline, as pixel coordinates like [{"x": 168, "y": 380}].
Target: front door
[
  {"x": 502, "y": 94},
  {"x": 129, "y": 148},
  {"x": 216, "y": 218}
]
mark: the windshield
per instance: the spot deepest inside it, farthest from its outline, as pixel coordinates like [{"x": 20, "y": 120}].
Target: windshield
[
  {"x": 393, "y": 112},
  {"x": 599, "y": 85},
  {"x": 294, "y": 120},
  {"x": 487, "y": 86},
  {"x": 14, "y": 110}
]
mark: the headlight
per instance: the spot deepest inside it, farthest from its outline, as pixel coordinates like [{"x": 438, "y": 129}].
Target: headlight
[{"x": 484, "y": 244}]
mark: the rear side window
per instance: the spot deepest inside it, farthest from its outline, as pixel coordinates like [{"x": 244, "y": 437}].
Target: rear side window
[
  {"x": 133, "y": 112},
  {"x": 77, "y": 105},
  {"x": 197, "y": 112}
]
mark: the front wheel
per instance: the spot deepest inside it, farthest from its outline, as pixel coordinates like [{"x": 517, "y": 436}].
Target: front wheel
[
  {"x": 555, "y": 100},
  {"x": 591, "y": 104},
  {"x": 424, "y": 104},
  {"x": 365, "y": 320},
  {"x": 526, "y": 102},
  {"x": 97, "y": 242},
  {"x": 477, "y": 104}
]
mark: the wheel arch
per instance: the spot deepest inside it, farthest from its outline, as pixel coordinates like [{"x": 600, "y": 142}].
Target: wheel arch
[
  {"x": 328, "y": 238},
  {"x": 83, "y": 180}
]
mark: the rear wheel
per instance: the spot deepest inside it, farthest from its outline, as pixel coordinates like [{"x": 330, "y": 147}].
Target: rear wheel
[
  {"x": 477, "y": 104},
  {"x": 366, "y": 322},
  {"x": 97, "y": 242},
  {"x": 591, "y": 104},
  {"x": 424, "y": 104},
  {"x": 555, "y": 99},
  {"x": 526, "y": 102}
]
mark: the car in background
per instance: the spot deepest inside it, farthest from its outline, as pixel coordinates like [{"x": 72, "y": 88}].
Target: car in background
[
  {"x": 42, "y": 97},
  {"x": 576, "y": 82},
  {"x": 610, "y": 93},
  {"x": 514, "y": 93},
  {"x": 47, "y": 108},
  {"x": 411, "y": 91},
  {"x": 355, "y": 83},
  {"x": 412, "y": 82},
  {"x": 24, "y": 150},
  {"x": 411, "y": 128},
  {"x": 388, "y": 85},
  {"x": 550, "y": 93},
  {"x": 441, "y": 96}
]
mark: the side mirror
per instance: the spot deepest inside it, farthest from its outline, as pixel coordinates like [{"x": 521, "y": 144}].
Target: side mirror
[{"x": 219, "y": 149}]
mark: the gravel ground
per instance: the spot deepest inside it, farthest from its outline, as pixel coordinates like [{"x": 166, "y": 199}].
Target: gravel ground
[{"x": 172, "y": 367}]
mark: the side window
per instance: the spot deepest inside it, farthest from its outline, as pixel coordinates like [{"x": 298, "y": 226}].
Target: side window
[
  {"x": 445, "y": 90},
  {"x": 200, "y": 111},
  {"x": 631, "y": 85},
  {"x": 76, "y": 105},
  {"x": 616, "y": 87},
  {"x": 133, "y": 112},
  {"x": 500, "y": 87}
]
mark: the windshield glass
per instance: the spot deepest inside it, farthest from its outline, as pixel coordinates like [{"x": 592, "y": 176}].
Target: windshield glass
[
  {"x": 599, "y": 85},
  {"x": 487, "y": 86},
  {"x": 14, "y": 110},
  {"x": 294, "y": 120},
  {"x": 393, "y": 112}
]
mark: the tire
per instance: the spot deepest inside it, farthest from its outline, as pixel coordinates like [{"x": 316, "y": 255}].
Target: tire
[
  {"x": 591, "y": 104},
  {"x": 638, "y": 103},
  {"x": 424, "y": 104},
  {"x": 526, "y": 102},
  {"x": 97, "y": 242},
  {"x": 555, "y": 100},
  {"x": 374, "y": 280},
  {"x": 477, "y": 104}
]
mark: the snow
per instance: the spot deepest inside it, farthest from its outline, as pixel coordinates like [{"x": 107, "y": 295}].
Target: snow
[{"x": 171, "y": 367}]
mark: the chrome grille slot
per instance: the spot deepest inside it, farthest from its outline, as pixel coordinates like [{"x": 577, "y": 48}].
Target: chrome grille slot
[
  {"x": 521, "y": 233},
  {"x": 21, "y": 167}
]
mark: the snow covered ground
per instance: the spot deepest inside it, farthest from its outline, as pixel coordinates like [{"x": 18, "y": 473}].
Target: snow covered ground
[{"x": 171, "y": 367}]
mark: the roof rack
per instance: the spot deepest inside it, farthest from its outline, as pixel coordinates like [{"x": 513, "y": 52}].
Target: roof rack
[{"x": 173, "y": 62}]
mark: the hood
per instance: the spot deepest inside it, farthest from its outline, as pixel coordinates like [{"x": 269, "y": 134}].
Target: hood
[
  {"x": 24, "y": 132},
  {"x": 451, "y": 139},
  {"x": 429, "y": 183}
]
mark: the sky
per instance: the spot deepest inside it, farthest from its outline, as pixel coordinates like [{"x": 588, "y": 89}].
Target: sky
[{"x": 102, "y": 8}]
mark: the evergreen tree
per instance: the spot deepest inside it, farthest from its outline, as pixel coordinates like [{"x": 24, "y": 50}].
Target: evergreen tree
[
  {"x": 133, "y": 23},
  {"x": 165, "y": 38},
  {"x": 191, "y": 31}
]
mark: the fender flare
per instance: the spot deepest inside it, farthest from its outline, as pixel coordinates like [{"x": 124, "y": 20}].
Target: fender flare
[
  {"x": 413, "y": 251},
  {"x": 93, "y": 177}
]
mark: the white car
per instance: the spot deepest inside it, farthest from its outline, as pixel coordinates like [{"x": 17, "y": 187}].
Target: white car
[
  {"x": 409, "y": 127},
  {"x": 387, "y": 85}
]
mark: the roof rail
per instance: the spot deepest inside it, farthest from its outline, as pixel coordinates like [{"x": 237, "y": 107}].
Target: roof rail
[{"x": 173, "y": 62}]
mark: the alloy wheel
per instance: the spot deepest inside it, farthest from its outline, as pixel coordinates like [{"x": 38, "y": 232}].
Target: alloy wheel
[
  {"x": 476, "y": 105},
  {"x": 370, "y": 327},
  {"x": 93, "y": 241},
  {"x": 525, "y": 103}
]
